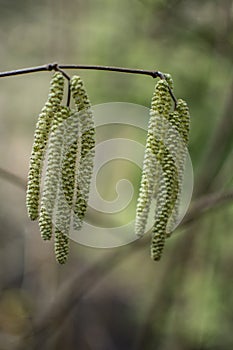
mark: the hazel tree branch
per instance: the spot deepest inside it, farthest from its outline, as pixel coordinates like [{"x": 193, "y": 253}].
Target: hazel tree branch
[
  {"x": 60, "y": 67},
  {"x": 57, "y": 67}
]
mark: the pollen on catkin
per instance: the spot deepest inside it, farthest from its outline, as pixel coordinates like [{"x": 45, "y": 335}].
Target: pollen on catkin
[
  {"x": 63, "y": 210},
  {"x": 178, "y": 139},
  {"x": 160, "y": 107},
  {"x": 184, "y": 115},
  {"x": 161, "y": 102},
  {"x": 69, "y": 161},
  {"x": 166, "y": 199},
  {"x": 61, "y": 246},
  {"x": 158, "y": 241},
  {"x": 86, "y": 149},
  {"x": 159, "y": 174},
  {"x": 173, "y": 157},
  {"x": 40, "y": 142},
  {"x": 53, "y": 171}
]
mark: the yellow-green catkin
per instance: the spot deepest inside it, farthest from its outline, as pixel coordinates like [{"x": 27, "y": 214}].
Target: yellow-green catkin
[
  {"x": 61, "y": 247},
  {"x": 158, "y": 240},
  {"x": 53, "y": 171},
  {"x": 160, "y": 107},
  {"x": 166, "y": 199},
  {"x": 162, "y": 102},
  {"x": 172, "y": 161},
  {"x": 184, "y": 115},
  {"x": 178, "y": 139},
  {"x": 40, "y": 142},
  {"x": 63, "y": 210},
  {"x": 168, "y": 179},
  {"x": 69, "y": 161},
  {"x": 86, "y": 149}
]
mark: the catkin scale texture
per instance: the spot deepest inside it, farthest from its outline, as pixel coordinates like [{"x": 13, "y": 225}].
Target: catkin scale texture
[
  {"x": 163, "y": 165},
  {"x": 61, "y": 247},
  {"x": 86, "y": 149},
  {"x": 178, "y": 139},
  {"x": 166, "y": 199},
  {"x": 173, "y": 159},
  {"x": 53, "y": 169},
  {"x": 69, "y": 161},
  {"x": 160, "y": 107},
  {"x": 40, "y": 142},
  {"x": 63, "y": 209}
]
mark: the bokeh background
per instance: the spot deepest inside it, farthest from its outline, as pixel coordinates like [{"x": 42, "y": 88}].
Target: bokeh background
[{"x": 119, "y": 298}]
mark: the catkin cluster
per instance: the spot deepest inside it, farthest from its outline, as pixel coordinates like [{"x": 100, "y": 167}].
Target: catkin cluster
[
  {"x": 163, "y": 165},
  {"x": 41, "y": 136},
  {"x": 68, "y": 136}
]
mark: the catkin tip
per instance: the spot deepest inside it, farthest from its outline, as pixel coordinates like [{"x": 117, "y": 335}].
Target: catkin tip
[{"x": 61, "y": 246}]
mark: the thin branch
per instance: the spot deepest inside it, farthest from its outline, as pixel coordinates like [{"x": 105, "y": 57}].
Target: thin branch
[
  {"x": 57, "y": 67},
  {"x": 198, "y": 208},
  {"x": 25, "y": 71},
  {"x": 206, "y": 202},
  {"x": 152, "y": 73},
  {"x": 13, "y": 179},
  {"x": 60, "y": 67}
]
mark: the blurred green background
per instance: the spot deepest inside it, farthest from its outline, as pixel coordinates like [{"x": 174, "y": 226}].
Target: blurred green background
[{"x": 119, "y": 298}]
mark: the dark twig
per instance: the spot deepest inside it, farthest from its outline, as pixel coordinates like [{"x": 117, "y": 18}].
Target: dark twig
[
  {"x": 25, "y": 71},
  {"x": 152, "y": 73},
  {"x": 68, "y": 95},
  {"x": 60, "y": 67},
  {"x": 56, "y": 67}
]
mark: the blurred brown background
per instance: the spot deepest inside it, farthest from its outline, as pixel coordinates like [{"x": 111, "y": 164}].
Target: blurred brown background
[{"x": 119, "y": 298}]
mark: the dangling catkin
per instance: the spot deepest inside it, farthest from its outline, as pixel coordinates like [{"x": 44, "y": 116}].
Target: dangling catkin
[
  {"x": 168, "y": 185},
  {"x": 184, "y": 115},
  {"x": 53, "y": 171},
  {"x": 167, "y": 195},
  {"x": 161, "y": 101},
  {"x": 39, "y": 146},
  {"x": 61, "y": 246},
  {"x": 172, "y": 161},
  {"x": 160, "y": 107},
  {"x": 86, "y": 151},
  {"x": 69, "y": 161},
  {"x": 178, "y": 139},
  {"x": 63, "y": 208},
  {"x": 168, "y": 188}
]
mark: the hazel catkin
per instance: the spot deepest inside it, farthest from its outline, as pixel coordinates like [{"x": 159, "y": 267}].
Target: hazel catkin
[
  {"x": 160, "y": 107},
  {"x": 40, "y": 142},
  {"x": 178, "y": 139},
  {"x": 53, "y": 171},
  {"x": 166, "y": 199},
  {"x": 86, "y": 149},
  {"x": 61, "y": 246}
]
